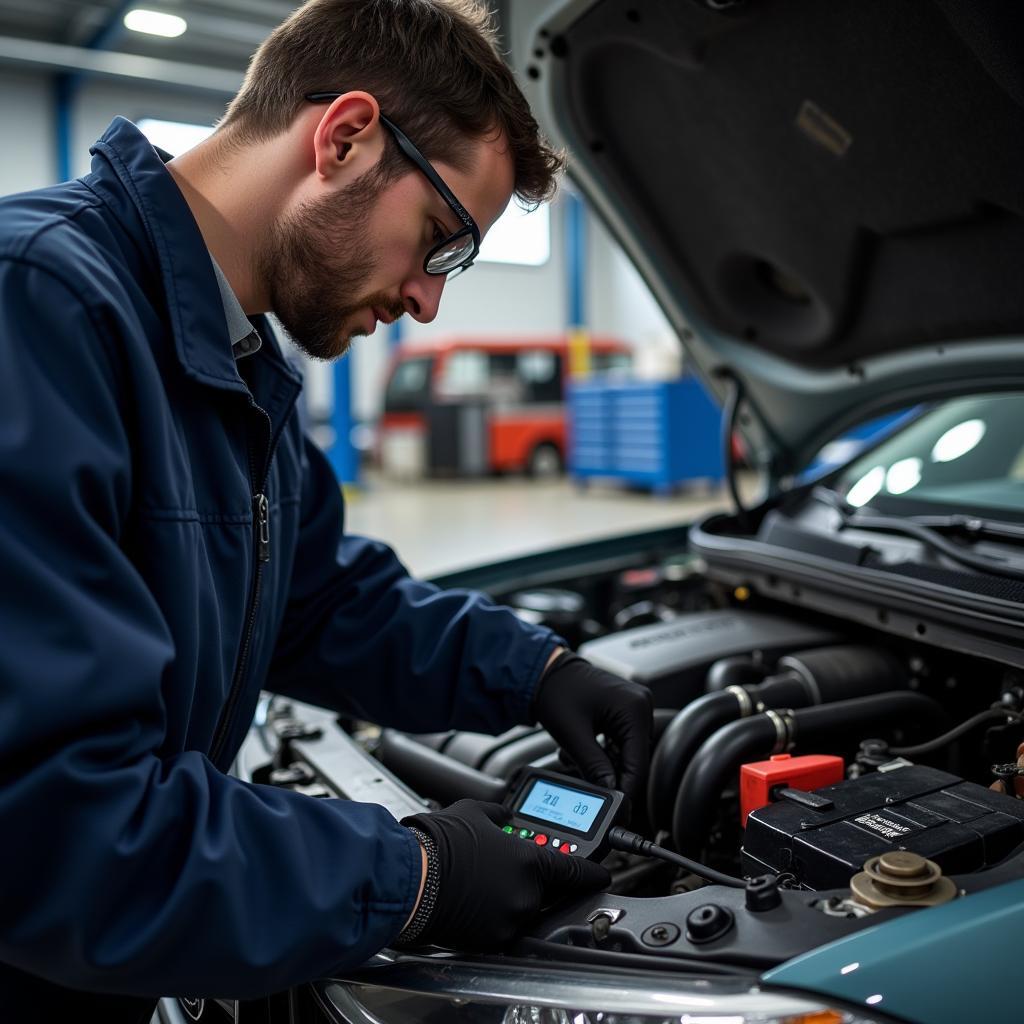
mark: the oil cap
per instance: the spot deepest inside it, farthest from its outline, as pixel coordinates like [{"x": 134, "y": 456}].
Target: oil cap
[{"x": 901, "y": 878}]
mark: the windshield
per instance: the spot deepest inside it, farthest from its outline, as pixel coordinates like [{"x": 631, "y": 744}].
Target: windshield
[
  {"x": 965, "y": 455},
  {"x": 409, "y": 387}
]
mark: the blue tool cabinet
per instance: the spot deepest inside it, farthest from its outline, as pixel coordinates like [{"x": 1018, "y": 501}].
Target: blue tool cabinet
[{"x": 657, "y": 434}]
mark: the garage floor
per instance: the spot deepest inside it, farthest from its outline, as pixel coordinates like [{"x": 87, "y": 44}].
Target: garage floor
[{"x": 438, "y": 526}]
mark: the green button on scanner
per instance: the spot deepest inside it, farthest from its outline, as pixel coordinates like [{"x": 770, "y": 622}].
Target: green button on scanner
[
  {"x": 507, "y": 828},
  {"x": 525, "y": 833}
]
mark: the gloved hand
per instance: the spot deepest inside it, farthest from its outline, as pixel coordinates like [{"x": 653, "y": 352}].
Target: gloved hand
[
  {"x": 575, "y": 701},
  {"x": 490, "y": 884},
  {"x": 1004, "y": 786}
]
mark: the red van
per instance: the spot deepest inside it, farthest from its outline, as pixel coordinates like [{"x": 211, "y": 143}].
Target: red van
[{"x": 498, "y": 401}]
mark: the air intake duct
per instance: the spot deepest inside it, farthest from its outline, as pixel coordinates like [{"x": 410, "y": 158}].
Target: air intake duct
[{"x": 819, "y": 676}]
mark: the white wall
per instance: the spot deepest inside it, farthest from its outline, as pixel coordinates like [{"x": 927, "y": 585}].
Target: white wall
[
  {"x": 620, "y": 304},
  {"x": 491, "y": 298},
  {"x": 502, "y": 298},
  {"x": 99, "y": 101},
  {"x": 28, "y": 155}
]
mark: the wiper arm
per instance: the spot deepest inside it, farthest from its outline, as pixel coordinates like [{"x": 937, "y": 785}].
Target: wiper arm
[
  {"x": 929, "y": 531},
  {"x": 972, "y": 526}
]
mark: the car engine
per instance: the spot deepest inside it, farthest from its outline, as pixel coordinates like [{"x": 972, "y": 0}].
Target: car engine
[{"x": 839, "y": 772}]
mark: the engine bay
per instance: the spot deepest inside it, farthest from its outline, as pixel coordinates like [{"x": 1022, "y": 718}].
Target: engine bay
[{"x": 841, "y": 773}]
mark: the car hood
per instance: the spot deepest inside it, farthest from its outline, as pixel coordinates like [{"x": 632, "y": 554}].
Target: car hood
[
  {"x": 964, "y": 946},
  {"x": 826, "y": 199}
]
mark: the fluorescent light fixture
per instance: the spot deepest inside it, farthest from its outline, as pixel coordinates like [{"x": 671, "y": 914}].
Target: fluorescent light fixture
[{"x": 154, "y": 23}]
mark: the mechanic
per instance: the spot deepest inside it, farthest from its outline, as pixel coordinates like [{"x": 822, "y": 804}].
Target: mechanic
[{"x": 171, "y": 543}]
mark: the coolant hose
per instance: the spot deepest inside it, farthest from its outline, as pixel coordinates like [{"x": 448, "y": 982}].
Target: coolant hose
[
  {"x": 683, "y": 737},
  {"x": 818, "y": 676},
  {"x": 737, "y": 670},
  {"x": 715, "y": 766},
  {"x": 435, "y": 775},
  {"x": 445, "y": 779}
]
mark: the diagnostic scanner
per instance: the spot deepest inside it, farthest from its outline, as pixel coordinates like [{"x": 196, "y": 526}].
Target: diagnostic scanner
[{"x": 568, "y": 815}]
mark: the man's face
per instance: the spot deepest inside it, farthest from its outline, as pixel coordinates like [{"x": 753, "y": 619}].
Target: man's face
[{"x": 336, "y": 265}]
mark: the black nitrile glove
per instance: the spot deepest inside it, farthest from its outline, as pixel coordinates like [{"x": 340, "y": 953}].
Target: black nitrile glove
[
  {"x": 492, "y": 884},
  {"x": 576, "y": 701}
]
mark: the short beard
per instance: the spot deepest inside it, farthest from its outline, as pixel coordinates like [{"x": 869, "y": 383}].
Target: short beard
[{"x": 314, "y": 264}]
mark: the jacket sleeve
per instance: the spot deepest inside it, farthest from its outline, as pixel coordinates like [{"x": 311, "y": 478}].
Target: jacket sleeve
[
  {"x": 362, "y": 637},
  {"x": 128, "y": 870}
]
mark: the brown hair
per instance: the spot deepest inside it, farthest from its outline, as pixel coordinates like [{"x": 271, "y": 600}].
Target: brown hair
[{"x": 433, "y": 66}]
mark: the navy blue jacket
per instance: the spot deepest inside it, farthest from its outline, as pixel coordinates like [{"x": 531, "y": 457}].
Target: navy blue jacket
[{"x": 141, "y": 614}]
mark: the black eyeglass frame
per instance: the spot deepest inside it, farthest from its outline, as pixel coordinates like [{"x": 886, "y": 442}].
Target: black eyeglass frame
[{"x": 416, "y": 157}]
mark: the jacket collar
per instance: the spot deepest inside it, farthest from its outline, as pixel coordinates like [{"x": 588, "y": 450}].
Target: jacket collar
[{"x": 125, "y": 161}]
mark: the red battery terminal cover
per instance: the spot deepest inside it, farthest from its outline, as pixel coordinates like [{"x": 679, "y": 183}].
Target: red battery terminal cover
[{"x": 810, "y": 771}]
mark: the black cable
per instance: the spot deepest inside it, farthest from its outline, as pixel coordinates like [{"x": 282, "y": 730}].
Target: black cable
[
  {"x": 630, "y": 842},
  {"x": 946, "y": 738},
  {"x": 730, "y": 417}
]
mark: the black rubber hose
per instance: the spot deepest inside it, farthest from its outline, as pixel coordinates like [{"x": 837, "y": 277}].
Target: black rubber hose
[
  {"x": 845, "y": 671},
  {"x": 738, "y": 670},
  {"x": 716, "y": 764},
  {"x": 699, "y": 720},
  {"x": 991, "y": 715},
  {"x": 435, "y": 775},
  {"x": 821, "y": 675},
  {"x": 684, "y": 735},
  {"x": 442, "y": 778}
]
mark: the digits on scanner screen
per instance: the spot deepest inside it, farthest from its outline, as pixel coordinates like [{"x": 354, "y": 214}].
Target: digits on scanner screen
[{"x": 569, "y": 808}]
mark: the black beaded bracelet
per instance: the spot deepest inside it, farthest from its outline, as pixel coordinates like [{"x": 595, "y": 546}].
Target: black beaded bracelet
[{"x": 414, "y": 928}]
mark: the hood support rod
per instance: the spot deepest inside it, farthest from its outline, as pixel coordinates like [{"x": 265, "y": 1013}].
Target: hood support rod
[{"x": 730, "y": 417}]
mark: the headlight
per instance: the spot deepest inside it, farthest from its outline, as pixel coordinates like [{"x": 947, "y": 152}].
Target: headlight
[{"x": 413, "y": 990}]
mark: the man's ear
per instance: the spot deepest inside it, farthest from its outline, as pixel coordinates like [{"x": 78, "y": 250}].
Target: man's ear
[{"x": 349, "y": 139}]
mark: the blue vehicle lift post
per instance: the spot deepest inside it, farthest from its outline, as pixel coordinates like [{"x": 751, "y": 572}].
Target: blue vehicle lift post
[{"x": 67, "y": 84}]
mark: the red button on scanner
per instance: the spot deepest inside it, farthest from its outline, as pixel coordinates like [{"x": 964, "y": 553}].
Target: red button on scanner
[
  {"x": 540, "y": 839},
  {"x": 564, "y": 848}
]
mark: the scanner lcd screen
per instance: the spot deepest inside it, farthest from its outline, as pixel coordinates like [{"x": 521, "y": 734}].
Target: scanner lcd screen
[{"x": 568, "y": 808}]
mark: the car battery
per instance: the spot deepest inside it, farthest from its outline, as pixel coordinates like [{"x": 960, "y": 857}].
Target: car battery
[{"x": 824, "y": 837}]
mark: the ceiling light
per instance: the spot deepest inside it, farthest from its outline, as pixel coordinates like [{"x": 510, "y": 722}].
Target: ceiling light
[{"x": 154, "y": 23}]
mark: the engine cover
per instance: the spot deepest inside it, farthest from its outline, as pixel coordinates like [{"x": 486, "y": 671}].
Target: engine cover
[
  {"x": 960, "y": 825},
  {"x": 673, "y": 658}
]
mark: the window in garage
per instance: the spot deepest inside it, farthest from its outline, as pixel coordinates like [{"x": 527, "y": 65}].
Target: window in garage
[
  {"x": 173, "y": 136},
  {"x": 519, "y": 237}
]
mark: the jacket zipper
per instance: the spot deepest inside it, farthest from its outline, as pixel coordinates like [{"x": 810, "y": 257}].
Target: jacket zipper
[{"x": 261, "y": 539}]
